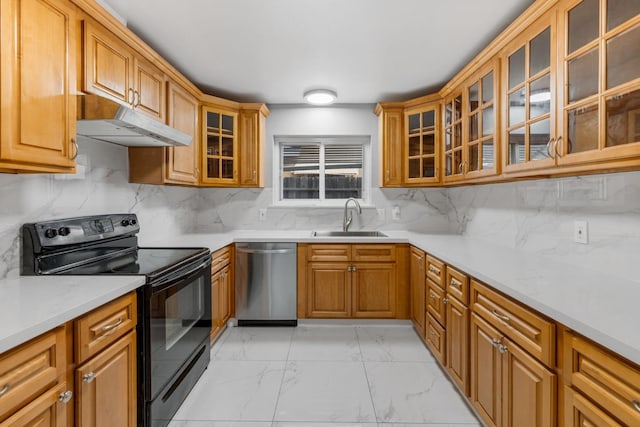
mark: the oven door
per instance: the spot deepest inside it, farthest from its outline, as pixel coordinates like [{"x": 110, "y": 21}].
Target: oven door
[{"x": 178, "y": 320}]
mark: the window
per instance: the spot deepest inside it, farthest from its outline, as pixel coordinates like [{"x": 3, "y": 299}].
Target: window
[{"x": 317, "y": 171}]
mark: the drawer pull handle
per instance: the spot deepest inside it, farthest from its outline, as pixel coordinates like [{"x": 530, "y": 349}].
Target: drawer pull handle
[
  {"x": 87, "y": 378},
  {"x": 433, "y": 269},
  {"x": 433, "y": 297},
  {"x": 500, "y": 316},
  {"x": 455, "y": 283},
  {"x": 65, "y": 397},
  {"x": 113, "y": 325},
  {"x": 6, "y": 388},
  {"x": 636, "y": 404}
]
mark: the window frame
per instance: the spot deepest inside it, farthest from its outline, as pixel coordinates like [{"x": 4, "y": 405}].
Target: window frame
[{"x": 322, "y": 140}]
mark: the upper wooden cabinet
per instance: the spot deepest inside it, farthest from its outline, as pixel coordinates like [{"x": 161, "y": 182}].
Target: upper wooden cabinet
[
  {"x": 112, "y": 69},
  {"x": 390, "y": 130},
  {"x": 219, "y": 147},
  {"x": 38, "y": 86},
  {"x": 251, "y": 146},
  {"x": 599, "y": 73},
  {"x": 421, "y": 145},
  {"x": 529, "y": 98},
  {"x": 171, "y": 165}
]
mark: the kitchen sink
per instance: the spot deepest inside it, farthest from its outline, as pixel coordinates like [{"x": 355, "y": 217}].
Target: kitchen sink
[{"x": 355, "y": 233}]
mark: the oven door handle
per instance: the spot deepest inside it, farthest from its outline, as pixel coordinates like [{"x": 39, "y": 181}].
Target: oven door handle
[{"x": 181, "y": 275}]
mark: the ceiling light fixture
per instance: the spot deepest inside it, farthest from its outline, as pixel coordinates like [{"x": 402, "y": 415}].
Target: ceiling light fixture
[{"x": 320, "y": 96}]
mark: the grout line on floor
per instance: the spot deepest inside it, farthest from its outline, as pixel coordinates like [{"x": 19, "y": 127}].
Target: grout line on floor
[
  {"x": 366, "y": 376},
  {"x": 284, "y": 371}
]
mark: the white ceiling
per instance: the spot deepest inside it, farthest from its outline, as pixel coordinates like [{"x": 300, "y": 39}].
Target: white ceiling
[{"x": 273, "y": 50}]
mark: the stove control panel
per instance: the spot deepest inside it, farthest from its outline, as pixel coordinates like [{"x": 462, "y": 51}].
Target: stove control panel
[{"x": 84, "y": 229}]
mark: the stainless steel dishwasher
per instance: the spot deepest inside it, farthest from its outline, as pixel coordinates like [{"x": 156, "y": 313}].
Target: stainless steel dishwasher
[{"x": 266, "y": 284}]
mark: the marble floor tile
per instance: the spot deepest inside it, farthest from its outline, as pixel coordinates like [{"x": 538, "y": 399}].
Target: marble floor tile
[
  {"x": 325, "y": 343},
  {"x": 413, "y": 392},
  {"x": 234, "y": 391},
  {"x": 259, "y": 343},
  {"x": 324, "y": 392},
  {"x": 186, "y": 423},
  {"x": 392, "y": 344}
]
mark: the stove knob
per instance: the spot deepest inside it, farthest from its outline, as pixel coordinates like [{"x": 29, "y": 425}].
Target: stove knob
[
  {"x": 64, "y": 231},
  {"x": 134, "y": 222},
  {"x": 124, "y": 222},
  {"x": 50, "y": 233}
]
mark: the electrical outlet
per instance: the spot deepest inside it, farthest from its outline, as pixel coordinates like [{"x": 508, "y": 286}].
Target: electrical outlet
[
  {"x": 263, "y": 214},
  {"x": 395, "y": 213},
  {"x": 581, "y": 232},
  {"x": 381, "y": 214}
]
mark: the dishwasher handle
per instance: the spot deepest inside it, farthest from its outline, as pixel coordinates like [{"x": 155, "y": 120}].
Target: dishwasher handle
[{"x": 264, "y": 251}]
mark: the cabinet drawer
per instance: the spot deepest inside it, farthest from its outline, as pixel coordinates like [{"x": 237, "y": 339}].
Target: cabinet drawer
[
  {"x": 603, "y": 378},
  {"x": 377, "y": 252},
  {"x": 580, "y": 412},
  {"x": 435, "y": 303},
  {"x": 529, "y": 330},
  {"x": 435, "y": 271},
  {"x": 436, "y": 339},
  {"x": 220, "y": 258},
  {"x": 104, "y": 325},
  {"x": 329, "y": 253},
  {"x": 30, "y": 369},
  {"x": 457, "y": 285},
  {"x": 44, "y": 411}
]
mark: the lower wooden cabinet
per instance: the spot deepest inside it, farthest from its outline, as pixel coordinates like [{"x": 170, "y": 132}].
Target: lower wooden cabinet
[
  {"x": 222, "y": 290},
  {"x": 352, "y": 281},
  {"x": 581, "y": 412},
  {"x": 51, "y": 409},
  {"x": 106, "y": 386},
  {"x": 508, "y": 386},
  {"x": 418, "y": 283},
  {"x": 436, "y": 339},
  {"x": 458, "y": 343}
]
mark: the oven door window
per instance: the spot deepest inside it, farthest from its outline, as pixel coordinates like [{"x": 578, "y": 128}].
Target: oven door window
[{"x": 183, "y": 309}]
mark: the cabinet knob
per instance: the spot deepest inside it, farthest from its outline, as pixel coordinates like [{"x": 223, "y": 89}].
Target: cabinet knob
[
  {"x": 5, "y": 389},
  {"x": 65, "y": 397},
  {"x": 87, "y": 378},
  {"x": 445, "y": 301},
  {"x": 502, "y": 348},
  {"x": 495, "y": 342}
]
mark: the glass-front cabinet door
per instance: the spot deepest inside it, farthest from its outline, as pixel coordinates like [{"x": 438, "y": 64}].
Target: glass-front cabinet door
[
  {"x": 422, "y": 145},
  {"x": 453, "y": 152},
  {"x": 220, "y": 148},
  {"x": 601, "y": 75},
  {"x": 529, "y": 97}
]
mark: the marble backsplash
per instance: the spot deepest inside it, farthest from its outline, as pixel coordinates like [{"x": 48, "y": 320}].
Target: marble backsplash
[
  {"x": 103, "y": 188},
  {"x": 538, "y": 217}
]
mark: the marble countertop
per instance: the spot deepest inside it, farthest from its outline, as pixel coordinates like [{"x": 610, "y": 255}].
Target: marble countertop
[
  {"x": 599, "y": 306},
  {"x": 32, "y": 305}
]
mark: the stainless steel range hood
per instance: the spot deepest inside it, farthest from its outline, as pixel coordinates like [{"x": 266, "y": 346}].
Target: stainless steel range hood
[{"x": 105, "y": 120}]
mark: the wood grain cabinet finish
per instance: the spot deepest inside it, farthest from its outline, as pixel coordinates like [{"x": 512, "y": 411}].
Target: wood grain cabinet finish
[
  {"x": 38, "y": 86},
  {"x": 390, "y": 129},
  {"x": 353, "y": 281},
  {"x": 106, "y": 386},
  {"x": 222, "y": 290},
  {"x": 436, "y": 271},
  {"x": 602, "y": 377},
  {"x": 457, "y": 348},
  {"x": 418, "y": 290},
  {"x": 530, "y": 330},
  {"x": 219, "y": 155},
  {"x": 581, "y": 412},
  {"x": 251, "y": 145},
  {"x": 436, "y": 303},
  {"x": 457, "y": 285},
  {"x": 112, "y": 69},
  {"x": 486, "y": 371},
  {"x": 31, "y": 369},
  {"x": 436, "y": 339},
  {"x": 101, "y": 327},
  {"x": 421, "y": 146}
]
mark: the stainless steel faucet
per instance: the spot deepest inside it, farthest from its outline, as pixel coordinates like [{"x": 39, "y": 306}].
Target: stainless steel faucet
[{"x": 346, "y": 222}]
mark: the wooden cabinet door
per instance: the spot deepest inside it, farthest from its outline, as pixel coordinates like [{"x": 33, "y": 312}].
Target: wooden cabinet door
[
  {"x": 391, "y": 135},
  {"x": 528, "y": 390},
  {"x": 486, "y": 371},
  {"x": 108, "y": 64},
  {"x": 38, "y": 85},
  {"x": 458, "y": 343},
  {"x": 435, "y": 303},
  {"x": 149, "y": 86},
  {"x": 421, "y": 146},
  {"x": 106, "y": 386},
  {"x": 182, "y": 114},
  {"x": 47, "y": 410},
  {"x": 374, "y": 290},
  {"x": 418, "y": 290},
  {"x": 251, "y": 147},
  {"x": 224, "y": 300},
  {"x": 216, "y": 313},
  {"x": 219, "y": 147},
  {"x": 581, "y": 412},
  {"x": 328, "y": 290}
]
